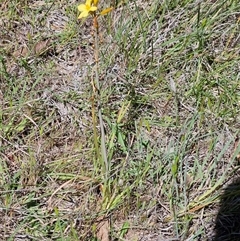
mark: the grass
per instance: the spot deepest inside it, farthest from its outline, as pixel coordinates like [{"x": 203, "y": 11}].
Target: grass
[{"x": 169, "y": 76}]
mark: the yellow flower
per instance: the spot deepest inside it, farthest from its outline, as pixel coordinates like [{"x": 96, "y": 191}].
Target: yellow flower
[{"x": 86, "y": 8}]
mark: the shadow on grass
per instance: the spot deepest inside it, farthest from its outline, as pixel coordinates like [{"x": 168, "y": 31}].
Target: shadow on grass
[{"x": 227, "y": 226}]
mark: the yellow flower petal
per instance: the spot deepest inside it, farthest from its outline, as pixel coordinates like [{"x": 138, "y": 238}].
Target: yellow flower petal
[
  {"x": 105, "y": 11},
  {"x": 95, "y": 2},
  {"x": 82, "y": 7},
  {"x": 83, "y": 14},
  {"x": 88, "y": 2},
  {"x": 93, "y": 8}
]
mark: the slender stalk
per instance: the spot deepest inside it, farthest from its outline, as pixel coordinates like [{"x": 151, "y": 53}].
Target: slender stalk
[
  {"x": 101, "y": 122},
  {"x": 95, "y": 134}
]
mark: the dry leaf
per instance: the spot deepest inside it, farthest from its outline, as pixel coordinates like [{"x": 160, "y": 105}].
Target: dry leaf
[
  {"x": 21, "y": 52},
  {"x": 41, "y": 47},
  {"x": 103, "y": 229}
]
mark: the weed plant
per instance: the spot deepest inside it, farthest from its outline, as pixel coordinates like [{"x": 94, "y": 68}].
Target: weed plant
[{"x": 143, "y": 153}]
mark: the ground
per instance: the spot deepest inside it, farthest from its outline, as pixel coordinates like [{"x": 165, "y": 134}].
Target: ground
[{"x": 169, "y": 97}]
